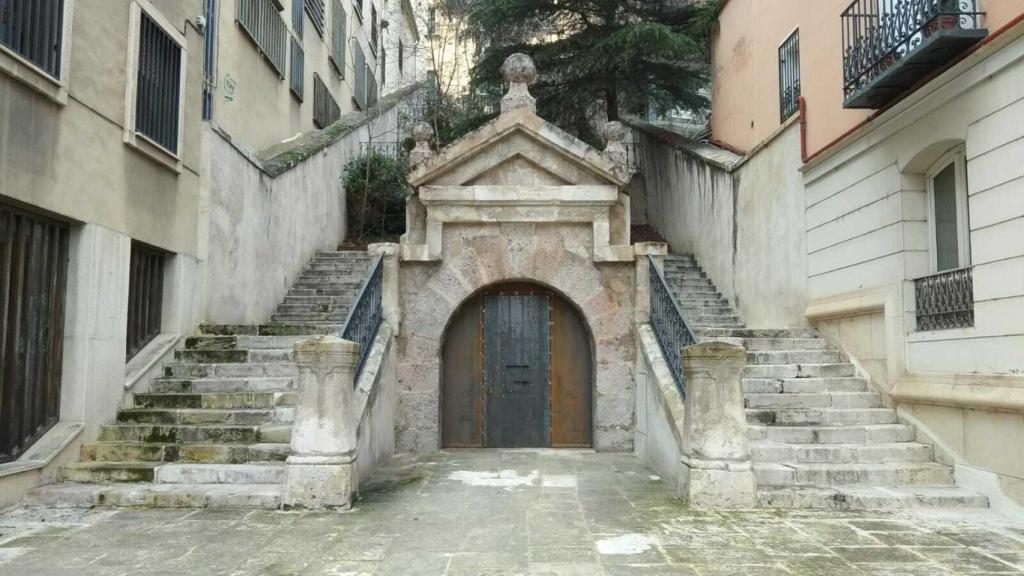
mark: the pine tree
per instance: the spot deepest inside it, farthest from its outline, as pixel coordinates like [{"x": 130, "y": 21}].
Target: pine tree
[{"x": 622, "y": 55}]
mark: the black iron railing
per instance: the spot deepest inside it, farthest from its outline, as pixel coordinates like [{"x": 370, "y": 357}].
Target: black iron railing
[
  {"x": 789, "y": 75},
  {"x": 669, "y": 324},
  {"x": 945, "y": 300},
  {"x": 367, "y": 313},
  {"x": 878, "y": 34}
]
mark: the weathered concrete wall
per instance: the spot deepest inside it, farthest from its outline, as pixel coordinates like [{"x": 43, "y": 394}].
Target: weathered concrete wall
[
  {"x": 263, "y": 230},
  {"x": 657, "y": 432},
  {"x": 558, "y": 255},
  {"x": 743, "y": 223},
  {"x": 376, "y": 392}
]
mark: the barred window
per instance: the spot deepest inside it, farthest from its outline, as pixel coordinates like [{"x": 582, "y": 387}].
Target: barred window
[
  {"x": 371, "y": 87},
  {"x": 789, "y": 75},
  {"x": 325, "y": 108},
  {"x": 401, "y": 57},
  {"x": 339, "y": 28},
  {"x": 262, "y": 22},
  {"x": 315, "y": 9},
  {"x": 158, "y": 86},
  {"x": 298, "y": 71},
  {"x": 298, "y": 7},
  {"x": 359, "y": 91},
  {"x": 374, "y": 33},
  {"x": 145, "y": 296},
  {"x": 34, "y": 29}
]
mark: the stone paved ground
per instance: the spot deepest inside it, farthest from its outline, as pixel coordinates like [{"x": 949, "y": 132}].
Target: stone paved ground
[{"x": 518, "y": 512}]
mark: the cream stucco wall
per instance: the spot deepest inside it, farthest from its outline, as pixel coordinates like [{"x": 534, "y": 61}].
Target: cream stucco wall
[{"x": 745, "y": 57}]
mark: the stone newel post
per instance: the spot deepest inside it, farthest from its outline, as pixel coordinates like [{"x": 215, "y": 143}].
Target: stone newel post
[
  {"x": 321, "y": 468},
  {"x": 519, "y": 72},
  {"x": 716, "y": 471}
]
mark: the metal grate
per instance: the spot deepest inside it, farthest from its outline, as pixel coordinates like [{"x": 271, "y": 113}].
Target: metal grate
[
  {"x": 262, "y": 21},
  {"x": 789, "y": 75},
  {"x": 669, "y": 324},
  {"x": 298, "y": 7},
  {"x": 34, "y": 29},
  {"x": 145, "y": 296},
  {"x": 401, "y": 57},
  {"x": 209, "y": 57},
  {"x": 359, "y": 92},
  {"x": 297, "y": 83},
  {"x": 367, "y": 313},
  {"x": 158, "y": 91},
  {"x": 945, "y": 300},
  {"x": 325, "y": 107},
  {"x": 339, "y": 27},
  {"x": 315, "y": 9},
  {"x": 33, "y": 276}
]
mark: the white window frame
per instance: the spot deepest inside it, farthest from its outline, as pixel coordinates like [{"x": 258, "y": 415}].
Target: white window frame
[
  {"x": 133, "y": 138},
  {"x": 26, "y": 72},
  {"x": 958, "y": 159}
]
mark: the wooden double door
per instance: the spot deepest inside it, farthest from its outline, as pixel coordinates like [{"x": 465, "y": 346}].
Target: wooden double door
[{"x": 517, "y": 372}]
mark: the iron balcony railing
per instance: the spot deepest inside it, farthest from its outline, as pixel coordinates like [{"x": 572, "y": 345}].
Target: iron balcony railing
[
  {"x": 367, "y": 313},
  {"x": 945, "y": 300},
  {"x": 888, "y": 45},
  {"x": 670, "y": 327}
]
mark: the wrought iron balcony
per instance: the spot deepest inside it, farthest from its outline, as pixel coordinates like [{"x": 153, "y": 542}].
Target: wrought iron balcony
[
  {"x": 889, "y": 45},
  {"x": 945, "y": 300}
]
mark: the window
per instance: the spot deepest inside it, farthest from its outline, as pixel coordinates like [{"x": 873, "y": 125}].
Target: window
[
  {"x": 371, "y": 87},
  {"x": 262, "y": 22},
  {"x": 384, "y": 65},
  {"x": 359, "y": 91},
  {"x": 339, "y": 29},
  {"x": 315, "y": 9},
  {"x": 145, "y": 296},
  {"x": 298, "y": 7},
  {"x": 357, "y": 7},
  {"x": 789, "y": 75},
  {"x": 325, "y": 108},
  {"x": 209, "y": 57},
  {"x": 949, "y": 222},
  {"x": 432, "y": 21},
  {"x": 298, "y": 71},
  {"x": 34, "y": 30},
  {"x": 401, "y": 58},
  {"x": 154, "y": 106},
  {"x": 374, "y": 33},
  {"x": 33, "y": 278}
]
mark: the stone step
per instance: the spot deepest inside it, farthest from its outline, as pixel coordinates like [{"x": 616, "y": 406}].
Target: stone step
[
  {"x": 182, "y": 434},
  {"x": 758, "y": 332},
  {"x": 243, "y": 342},
  {"x": 778, "y": 452},
  {"x": 267, "y": 473},
  {"x": 709, "y": 301},
  {"x": 822, "y": 417},
  {"x": 262, "y": 356},
  {"x": 244, "y": 370},
  {"x": 875, "y": 474},
  {"x": 335, "y": 292},
  {"x": 270, "y": 329},
  {"x": 216, "y": 496},
  {"x": 105, "y": 472},
  {"x": 214, "y": 401},
  {"x": 815, "y": 400},
  {"x": 255, "y": 385},
  {"x": 316, "y": 300},
  {"x": 810, "y": 370},
  {"x": 859, "y": 434},
  {"x": 773, "y": 344},
  {"x": 335, "y": 264},
  {"x": 794, "y": 357},
  {"x": 713, "y": 321},
  {"x": 674, "y": 274},
  {"x": 286, "y": 309},
  {"x": 202, "y": 417},
  {"x": 706, "y": 310},
  {"x": 196, "y": 453},
  {"x": 312, "y": 317},
  {"x": 803, "y": 385},
  {"x": 685, "y": 286},
  {"x": 343, "y": 255},
  {"x": 862, "y": 497}
]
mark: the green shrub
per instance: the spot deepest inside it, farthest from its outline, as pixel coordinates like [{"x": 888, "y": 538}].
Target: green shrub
[{"x": 375, "y": 190}]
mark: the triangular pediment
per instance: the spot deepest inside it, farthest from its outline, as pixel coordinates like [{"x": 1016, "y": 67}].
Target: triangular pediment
[{"x": 517, "y": 148}]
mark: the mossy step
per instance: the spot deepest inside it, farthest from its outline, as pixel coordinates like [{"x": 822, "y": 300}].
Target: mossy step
[
  {"x": 270, "y": 329},
  {"x": 147, "y": 495},
  {"x": 180, "y": 434},
  {"x": 130, "y": 452},
  {"x": 188, "y": 453},
  {"x": 223, "y": 385},
  {"x": 242, "y": 342},
  {"x": 229, "y": 401},
  {"x": 191, "y": 370},
  {"x": 104, "y": 472},
  {"x": 200, "y": 417}
]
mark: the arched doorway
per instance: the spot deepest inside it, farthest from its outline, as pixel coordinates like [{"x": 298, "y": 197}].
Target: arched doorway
[{"x": 517, "y": 371}]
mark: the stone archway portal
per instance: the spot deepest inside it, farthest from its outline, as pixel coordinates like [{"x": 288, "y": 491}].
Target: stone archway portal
[{"x": 517, "y": 372}]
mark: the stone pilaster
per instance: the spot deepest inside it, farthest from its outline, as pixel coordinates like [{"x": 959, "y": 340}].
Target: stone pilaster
[
  {"x": 321, "y": 470},
  {"x": 642, "y": 289},
  {"x": 390, "y": 301},
  {"x": 716, "y": 468}
]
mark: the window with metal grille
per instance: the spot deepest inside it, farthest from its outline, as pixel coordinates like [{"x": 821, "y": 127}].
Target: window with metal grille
[
  {"x": 315, "y": 9},
  {"x": 789, "y": 75},
  {"x": 339, "y": 28},
  {"x": 298, "y": 71},
  {"x": 158, "y": 89},
  {"x": 401, "y": 57},
  {"x": 209, "y": 57},
  {"x": 371, "y": 88},
  {"x": 262, "y": 22},
  {"x": 357, "y": 8},
  {"x": 34, "y": 29},
  {"x": 374, "y": 33},
  {"x": 33, "y": 275},
  {"x": 325, "y": 107},
  {"x": 359, "y": 91},
  {"x": 384, "y": 64},
  {"x": 145, "y": 296},
  {"x": 298, "y": 7}
]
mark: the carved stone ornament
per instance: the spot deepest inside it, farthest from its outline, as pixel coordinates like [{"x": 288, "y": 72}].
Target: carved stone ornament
[
  {"x": 422, "y": 133},
  {"x": 519, "y": 72}
]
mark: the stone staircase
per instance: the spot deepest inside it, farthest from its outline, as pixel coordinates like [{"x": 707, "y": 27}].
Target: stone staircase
[
  {"x": 215, "y": 429},
  {"x": 819, "y": 437}
]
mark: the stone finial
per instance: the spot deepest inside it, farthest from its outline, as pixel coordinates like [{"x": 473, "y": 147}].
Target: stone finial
[
  {"x": 422, "y": 132},
  {"x": 615, "y": 148},
  {"x": 519, "y": 73}
]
